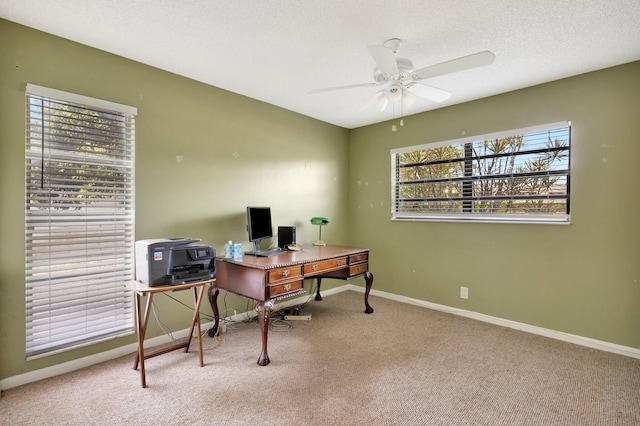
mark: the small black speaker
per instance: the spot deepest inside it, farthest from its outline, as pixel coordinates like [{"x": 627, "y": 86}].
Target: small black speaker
[{"x": 286, "y": 236}]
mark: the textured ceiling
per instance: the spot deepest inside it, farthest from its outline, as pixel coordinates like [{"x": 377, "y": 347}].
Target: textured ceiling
[{"x": 277, "y": 51}]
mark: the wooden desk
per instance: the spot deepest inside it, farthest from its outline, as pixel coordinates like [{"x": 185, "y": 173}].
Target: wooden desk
[
  {"x": 141, "y": 290},
  {"x": 267, "y": 279}
]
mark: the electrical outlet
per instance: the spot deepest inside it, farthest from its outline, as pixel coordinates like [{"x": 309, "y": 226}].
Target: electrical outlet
[{"x": 464, "y": 293}]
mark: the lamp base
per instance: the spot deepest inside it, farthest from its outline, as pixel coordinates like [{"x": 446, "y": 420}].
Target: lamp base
[{"x": 319, "y": 243}]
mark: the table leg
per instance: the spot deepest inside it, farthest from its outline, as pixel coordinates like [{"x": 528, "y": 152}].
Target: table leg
[
  {"x": 213, "y": 300},
  {"x": 195, "y": 322},
  {"x": 138, "y": 330},
  {"x": 368, "y": 278},
  {"x": 264, "y": 310},
  {"x": 318, "y": 297},
  {"x": 195, "y": 319},
  {"x": 141, "y": 323}
]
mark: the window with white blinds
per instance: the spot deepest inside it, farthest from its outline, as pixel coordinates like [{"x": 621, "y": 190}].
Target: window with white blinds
[
  {"x": 79, "y": 219},
  {"x": 515, "y": 176}
]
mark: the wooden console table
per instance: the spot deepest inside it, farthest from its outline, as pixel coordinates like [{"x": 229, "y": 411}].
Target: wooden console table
[
  {"x": 141, "y": 290},
  {"x": 267, "y": 279}
]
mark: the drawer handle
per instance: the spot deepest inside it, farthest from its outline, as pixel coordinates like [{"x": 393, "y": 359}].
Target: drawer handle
[
  {"x": 358, "y": 257},
  {"x": 285, "y": 273},
  {"x": 338, "y": 262},
  {"x": 314, "y": 267},
  {"x": 287, "y": 287}
]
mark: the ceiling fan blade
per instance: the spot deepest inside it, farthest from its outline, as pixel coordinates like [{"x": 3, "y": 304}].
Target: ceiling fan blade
[
  {"x": 454, "y": 65},
  {"x": 385, "y": 59},
  {"x": 351, "y": 86},
  {"x": 429, "y": 92}
]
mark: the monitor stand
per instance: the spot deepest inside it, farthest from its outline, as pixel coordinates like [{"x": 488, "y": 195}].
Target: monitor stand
[{"x": 264, "y": 253}]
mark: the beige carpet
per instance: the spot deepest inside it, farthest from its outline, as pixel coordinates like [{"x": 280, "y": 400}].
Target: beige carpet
[{"x": 402, "y": 365}]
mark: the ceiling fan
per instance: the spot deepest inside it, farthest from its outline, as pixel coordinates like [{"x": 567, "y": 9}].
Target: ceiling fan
[{"x": 401, "y": 82}]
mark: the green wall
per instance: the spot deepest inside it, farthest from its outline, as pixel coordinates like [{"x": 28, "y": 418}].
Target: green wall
[
  {"x": 582, "y": 278},
  {"x": 204, "y": 154}
]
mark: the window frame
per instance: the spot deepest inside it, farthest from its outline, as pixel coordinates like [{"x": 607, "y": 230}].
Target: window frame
[
  {"x": 397, "y": 213},
  {"x": 85, "y": 225}
]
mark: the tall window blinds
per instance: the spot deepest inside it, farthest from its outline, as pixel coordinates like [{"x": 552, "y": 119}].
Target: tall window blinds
[{"x": 79, "y": 220}]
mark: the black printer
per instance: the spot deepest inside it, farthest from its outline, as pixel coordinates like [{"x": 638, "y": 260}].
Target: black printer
[{"x": 172, "y": 261}]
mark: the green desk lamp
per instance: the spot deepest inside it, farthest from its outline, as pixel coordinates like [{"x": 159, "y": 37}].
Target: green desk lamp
[{"x": 319, "y": 221}]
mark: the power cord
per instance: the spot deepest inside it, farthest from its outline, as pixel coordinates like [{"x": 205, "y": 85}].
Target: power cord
[
  {"x": 214, "y": 343},
  {"x": 163, "y": 326},
  {"x": 276, "y": 320}
]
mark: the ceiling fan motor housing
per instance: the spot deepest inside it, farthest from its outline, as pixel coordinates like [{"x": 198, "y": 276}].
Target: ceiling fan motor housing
[{"x": 405, "y": 67}]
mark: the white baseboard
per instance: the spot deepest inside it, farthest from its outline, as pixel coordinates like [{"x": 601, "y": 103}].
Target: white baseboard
[
  {"x": 67, "y": 367},
  {"x": 558, "y": 335}
]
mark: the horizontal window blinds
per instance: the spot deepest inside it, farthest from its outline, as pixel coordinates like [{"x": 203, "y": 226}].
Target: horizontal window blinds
[
  {"x": 79, "y": 216},
  {"x": 522, "y": 175}
]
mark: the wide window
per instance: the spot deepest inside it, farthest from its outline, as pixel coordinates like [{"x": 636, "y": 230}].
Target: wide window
[
  {"x": 79, "y": 220},
  {"x": 515, "y": 176}
]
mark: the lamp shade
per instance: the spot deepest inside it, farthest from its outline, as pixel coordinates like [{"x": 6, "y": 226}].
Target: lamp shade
[{"x": 319, "y": 221}]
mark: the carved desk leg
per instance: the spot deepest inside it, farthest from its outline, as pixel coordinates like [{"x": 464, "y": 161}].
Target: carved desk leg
[
  {"x": 318, "y": 297},
  {"x": 212, "y": 294},
  {"x": 368, "y": 278},
  {"x": 264, "y": 310}
]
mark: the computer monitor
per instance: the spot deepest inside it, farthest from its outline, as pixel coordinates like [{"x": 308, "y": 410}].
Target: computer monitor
[{"x": 258, "y": 225}]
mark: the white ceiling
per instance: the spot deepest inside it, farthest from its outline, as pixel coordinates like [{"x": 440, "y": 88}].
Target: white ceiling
[{"x": 277, "y": 51}]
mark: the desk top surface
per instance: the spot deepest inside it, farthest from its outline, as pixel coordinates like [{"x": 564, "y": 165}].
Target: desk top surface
[{"x": 305, "y": 255}]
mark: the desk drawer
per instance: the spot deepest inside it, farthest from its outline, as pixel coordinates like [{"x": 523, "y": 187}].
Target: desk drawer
[
  {"x": 278, "y": 289},
  {"x": 325, "y": 265},
  {"x": 360, "y": 268},
  {"x": 281, "y": 274},
  {"x": 358, "y": 258}
]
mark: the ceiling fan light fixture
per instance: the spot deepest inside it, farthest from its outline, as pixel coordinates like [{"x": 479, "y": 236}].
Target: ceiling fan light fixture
[
  {"x": 380, "y": 100},
  {"x": 408, "y": 98},
  {"x": 394, "y": 92}
]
